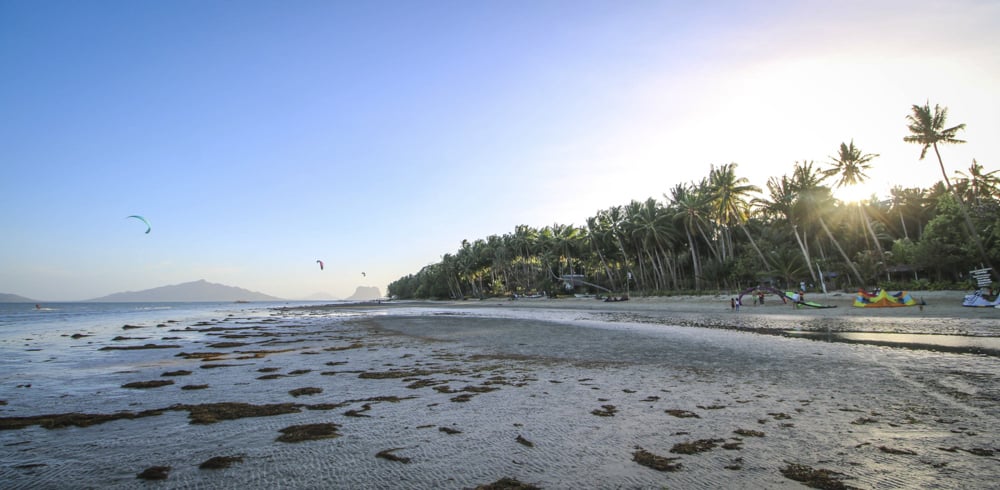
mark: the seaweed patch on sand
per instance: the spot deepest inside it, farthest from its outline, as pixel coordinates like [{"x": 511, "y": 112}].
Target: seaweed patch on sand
[
  {"x": 59, "y": 421},
  {"x": 507, "y": 484},
  {"x": 695, "y": 447},
  {"x": 308, "y": 432},
  {"x": 305, "y": 391},
  {"x": 683, "y": 414},
  {"x": 180, "y": 372},
  {"x": 220, "y": 462},
  {"x": 156, "y": 383},
  {"x": 387, "y": 454},
  {"x": 140, "y": 347},
  {"x": 658, "y": 463},
  {"x": 605, "y": 411},
  {"x": 824, "y": 479},
  {"x": 210, "y": 413},
  {"x": 154, "y": 473}
]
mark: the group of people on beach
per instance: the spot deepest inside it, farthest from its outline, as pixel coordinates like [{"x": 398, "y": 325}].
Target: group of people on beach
[{"x": 758, "y": 299}]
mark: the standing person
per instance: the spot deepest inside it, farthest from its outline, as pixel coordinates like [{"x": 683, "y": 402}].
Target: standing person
[
  {"x": 761, "y": 293},
  {"x": 739, "y": 301},
  {"x": 732, "y": 303}
]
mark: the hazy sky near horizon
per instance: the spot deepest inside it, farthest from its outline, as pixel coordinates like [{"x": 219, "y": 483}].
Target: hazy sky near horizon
[{"x": 260, "y": 136}]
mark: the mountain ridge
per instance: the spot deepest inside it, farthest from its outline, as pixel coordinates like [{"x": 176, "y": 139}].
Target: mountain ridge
[
  {"x": 194, "y": 291},
  {"x": 15, "y": 298}
]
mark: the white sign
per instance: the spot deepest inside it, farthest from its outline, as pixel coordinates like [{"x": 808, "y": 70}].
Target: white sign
[{"x": 982, "y": 276}]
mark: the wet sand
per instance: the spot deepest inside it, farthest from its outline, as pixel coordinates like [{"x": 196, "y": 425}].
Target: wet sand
[{"x": 568, "y": 393}]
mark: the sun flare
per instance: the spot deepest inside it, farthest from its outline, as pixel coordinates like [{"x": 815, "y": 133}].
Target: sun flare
[{"x": 856, "y": 193}]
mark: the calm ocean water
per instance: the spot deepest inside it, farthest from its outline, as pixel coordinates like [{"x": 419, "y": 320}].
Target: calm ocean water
[
  {"x": 58, "y": 340},
  {"x": 43, "y": 321}
]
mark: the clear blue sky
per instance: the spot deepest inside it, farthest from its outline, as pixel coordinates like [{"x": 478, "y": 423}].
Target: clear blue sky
[{"x": 258, "y": 137}]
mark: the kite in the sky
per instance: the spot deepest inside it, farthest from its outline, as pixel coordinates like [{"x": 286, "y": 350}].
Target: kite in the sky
[
  {"x": 363, "y": 274},
  {"x": 140, "y": 218},
  {"x": 320, "y": 262}
]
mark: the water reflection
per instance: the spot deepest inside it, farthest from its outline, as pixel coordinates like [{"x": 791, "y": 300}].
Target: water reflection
[{"x": 945, "y": 343}]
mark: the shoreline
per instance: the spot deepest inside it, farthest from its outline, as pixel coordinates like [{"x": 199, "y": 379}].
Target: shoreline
[{"x": 714, "y": 311}]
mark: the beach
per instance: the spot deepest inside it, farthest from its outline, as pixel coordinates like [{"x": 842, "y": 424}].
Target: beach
[{"x": 680, "y": 392}]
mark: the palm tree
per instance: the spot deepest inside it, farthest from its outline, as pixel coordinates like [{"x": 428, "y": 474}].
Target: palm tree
[
  {"x": 780, "y": 204},
  {"x": 927, "y": 128},
  {"x": 978, "y": 184},
  {"x": 814, "y": 201},
  {"x": 688, "y": 207},
  {"x": 731, "y": 198},
  {"x": 849, "y": 167}
]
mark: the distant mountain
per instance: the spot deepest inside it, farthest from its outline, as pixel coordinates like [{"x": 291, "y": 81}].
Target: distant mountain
[
  {"x": 190, "y": 291},
  {"x": 365, "y": 294},
  {"x": 13, "y": 298}
]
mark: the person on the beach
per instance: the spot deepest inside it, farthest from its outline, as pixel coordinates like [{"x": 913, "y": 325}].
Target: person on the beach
[
  {"x": 761, "y": 293},
  {"x": 732, "y": 303}
]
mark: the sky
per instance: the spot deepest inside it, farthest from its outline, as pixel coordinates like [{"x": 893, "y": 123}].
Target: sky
[{"x": 260, "y": 136}]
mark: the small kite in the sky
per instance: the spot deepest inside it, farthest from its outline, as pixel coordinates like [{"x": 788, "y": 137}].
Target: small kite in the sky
[
  {"x": 363, "y": 274},
  {"x": 320, "y": 262},
  {"x": 140, "y": 218}
]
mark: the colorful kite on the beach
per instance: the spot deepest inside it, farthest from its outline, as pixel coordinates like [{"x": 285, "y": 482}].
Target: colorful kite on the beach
[
  {"x": 320, "y": 262},
  {"x": 140, "y": 218}
]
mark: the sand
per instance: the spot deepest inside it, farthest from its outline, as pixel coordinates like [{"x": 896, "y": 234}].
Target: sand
[{"x": 565, "y": 393}]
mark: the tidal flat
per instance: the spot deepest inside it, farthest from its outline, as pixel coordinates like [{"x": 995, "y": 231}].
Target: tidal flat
[{"x": 494, "y": 395}]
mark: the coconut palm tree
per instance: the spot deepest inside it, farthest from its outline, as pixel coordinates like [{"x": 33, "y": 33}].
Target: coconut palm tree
[
  {"x": 780, "y": 203},
  {"x": 689, "y": 208},
  {"x": 731, "y": 198},
  {"x": 927, "y": 129},
  {"x": 978, "y": 184},
  {"x": 849, "y": 167},
  {"x": 814, "y": 200}
]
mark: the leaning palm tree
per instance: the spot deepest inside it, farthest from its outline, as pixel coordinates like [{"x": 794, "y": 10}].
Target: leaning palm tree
[
  {"x": 813, "y": 201},
  {"x": 781, "y": 203},
  {"x": 731, "y": 196},
  {"x": 849, "y": 167},
  {"x": 927, "y": 128}
]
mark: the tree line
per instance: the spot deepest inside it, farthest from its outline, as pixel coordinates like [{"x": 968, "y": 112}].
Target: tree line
[{"x": 721, "y": 233}]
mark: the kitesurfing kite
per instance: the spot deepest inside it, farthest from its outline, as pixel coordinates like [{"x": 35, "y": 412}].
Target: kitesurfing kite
[
  {"x": 363, "y": 274},
  {"x": 140, "y": 218},
  {"x": 320, "y": 262}
]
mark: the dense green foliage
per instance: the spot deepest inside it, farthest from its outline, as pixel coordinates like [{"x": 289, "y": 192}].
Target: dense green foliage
[{"x": 721, "y": 233}]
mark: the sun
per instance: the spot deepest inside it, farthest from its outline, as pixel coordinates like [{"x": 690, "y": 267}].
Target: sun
[{"x": 856, "y": 193}]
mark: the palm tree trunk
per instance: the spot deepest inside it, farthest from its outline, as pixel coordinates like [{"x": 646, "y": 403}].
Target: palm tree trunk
[
  {"x": 696, "y": 265},
  {"x": 805, "y": 250},
  {"x": 842, "y": 254},
  {"x": 878, "y": 246},
  {"x": 753, "y": 244}
]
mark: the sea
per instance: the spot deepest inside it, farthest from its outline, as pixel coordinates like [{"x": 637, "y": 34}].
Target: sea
[{"x": 56, "y": 341}]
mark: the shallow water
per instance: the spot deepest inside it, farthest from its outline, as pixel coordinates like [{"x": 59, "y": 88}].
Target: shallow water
[
  {"x": 825, "y": 405},
  {"x": 946, "y": 343}
]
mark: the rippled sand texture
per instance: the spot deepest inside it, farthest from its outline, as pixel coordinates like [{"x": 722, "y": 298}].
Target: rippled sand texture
[{"x": 452, "y": 398}]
